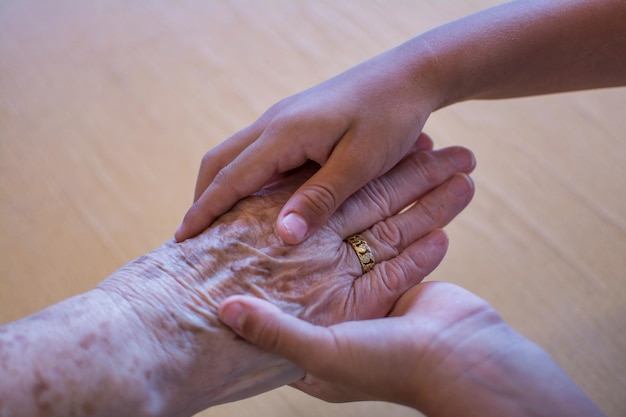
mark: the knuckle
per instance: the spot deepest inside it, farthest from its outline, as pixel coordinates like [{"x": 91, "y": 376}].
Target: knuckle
[
  {"x": 380, "y": 193},
  {"x": 320, "y": 199},
  {"x": 389, "y": 236},
  {"x": 263, "y": 333},
  {"x": 281, "y": 105},
  {"x": 400, "y": 273},
  {"x": 391, "y": 277},
  {"x": 285, "y": 121},
  {"x": 208, "y": 160},
  {"x": 225, "y": 179},
  {"x": 432, "y": 212},
  {"x": 426, "y": 167},
  {"x": 223, "y": 175}
]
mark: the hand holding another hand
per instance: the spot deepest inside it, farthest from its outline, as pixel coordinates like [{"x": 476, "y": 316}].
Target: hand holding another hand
[
  {"x": 148, "y": 341},
  {"x": 441, "y": 350},
  {"x": 319, "y": 280},
  {"x": 356, "y": 126}
]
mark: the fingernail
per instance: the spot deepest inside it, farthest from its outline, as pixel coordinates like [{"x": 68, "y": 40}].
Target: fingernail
[
  {"x": 462, "y": 159},
  {"x": 458, "y": 186},
  {"x": 295, "y": 225},
  {"x": 233, "y": 316}
]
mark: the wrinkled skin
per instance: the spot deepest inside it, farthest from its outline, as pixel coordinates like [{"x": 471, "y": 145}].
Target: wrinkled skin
[
  {"x": 441, "y": 350},
  {"x": 319, "y": 280},
  {"x": 148, "y": 342}
]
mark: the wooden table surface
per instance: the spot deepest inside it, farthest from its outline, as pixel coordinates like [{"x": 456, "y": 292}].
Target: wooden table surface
[{"x": 106, "y": 108}]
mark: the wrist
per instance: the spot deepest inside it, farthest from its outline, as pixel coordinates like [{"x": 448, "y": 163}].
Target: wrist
[
  {"x": 155, "y": 293},
  {"x": 173, "y": 294},
  {"x": 417, "y": 63},
  {"x": 485, "y": 367}
]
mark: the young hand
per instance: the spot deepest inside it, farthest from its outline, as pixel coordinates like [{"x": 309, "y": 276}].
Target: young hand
[
  {"x": 356, "y": 126},
  {"x": 442, "y": 350}
]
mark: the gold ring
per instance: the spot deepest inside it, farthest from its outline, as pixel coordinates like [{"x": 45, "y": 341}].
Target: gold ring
[{"x": 363, "y": 252}]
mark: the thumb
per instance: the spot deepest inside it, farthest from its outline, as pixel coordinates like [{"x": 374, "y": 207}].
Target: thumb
[
  {"x": 272, "y": 330},
  {"x": 310, "y": 207}
]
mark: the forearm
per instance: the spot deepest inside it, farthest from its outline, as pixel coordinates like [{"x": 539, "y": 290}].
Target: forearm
[
  {"x": 523, "y": 48},
  {"x": 74, "y": 358},
  {"x": 144, "y": 343}
]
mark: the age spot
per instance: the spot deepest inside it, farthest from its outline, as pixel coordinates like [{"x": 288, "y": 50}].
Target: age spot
[
  {"x": 88, "y": 341},
  {"x": 89, "y": 408}
]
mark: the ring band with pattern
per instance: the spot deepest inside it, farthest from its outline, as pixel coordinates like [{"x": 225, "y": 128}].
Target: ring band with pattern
[{"x": 363, "y": 252}]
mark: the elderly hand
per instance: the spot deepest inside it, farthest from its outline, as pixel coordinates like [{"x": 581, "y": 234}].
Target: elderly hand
[
  {"x": 148, "y": 341},
  {"x": 441, "y": 350},
  {"x": 319, "y": 280}
]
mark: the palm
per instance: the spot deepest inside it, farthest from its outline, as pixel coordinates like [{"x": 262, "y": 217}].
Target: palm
[{"x": 415, "y": 324}]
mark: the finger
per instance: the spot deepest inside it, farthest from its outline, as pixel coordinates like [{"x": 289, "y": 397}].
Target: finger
[
  {"x": 317, "y": 200},
  {"x": 435, "y": 210},
  {"x": 247, "y": 173},
  {"x": 231, "y": 184},
  {"x": 336, "y": 353},
  {"x": 252, "y": 168},
  {"x": 322, "y": 197},
  {"x": 376, "y": 292},
  {"x": 423, "y": 143},
  {"x": 267, "y": 327},
  {"x": 403, "y": 257},
  {"x": 415, "y": 175},
  {"x": 217, "y": 158},
  {"x": 223, "y": 154},
  {"x": 390, "y": 237},
  {"x": 351, "y": 165}
]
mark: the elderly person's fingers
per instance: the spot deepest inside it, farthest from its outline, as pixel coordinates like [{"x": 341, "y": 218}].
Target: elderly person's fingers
[
  {"x": 394, "y": 255},
  {"x": 391, "y": 278},
  {"x": 434, "y": 210},
  {"x": 408, "y": 181},
  {"x": 374, "y": 293},
  {"x": 317, "y": 200},
  {"x": 388, "y": 238}
]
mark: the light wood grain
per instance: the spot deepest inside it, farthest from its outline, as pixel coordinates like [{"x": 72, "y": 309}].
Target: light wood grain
[{"x": 107, "y": 107}]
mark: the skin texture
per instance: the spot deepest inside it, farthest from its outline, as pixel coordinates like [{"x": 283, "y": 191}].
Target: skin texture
[
  {"x": 373, "y": 111},
  {"x": 148, "y": 342},
  {"x": 441, "y": 350}
]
